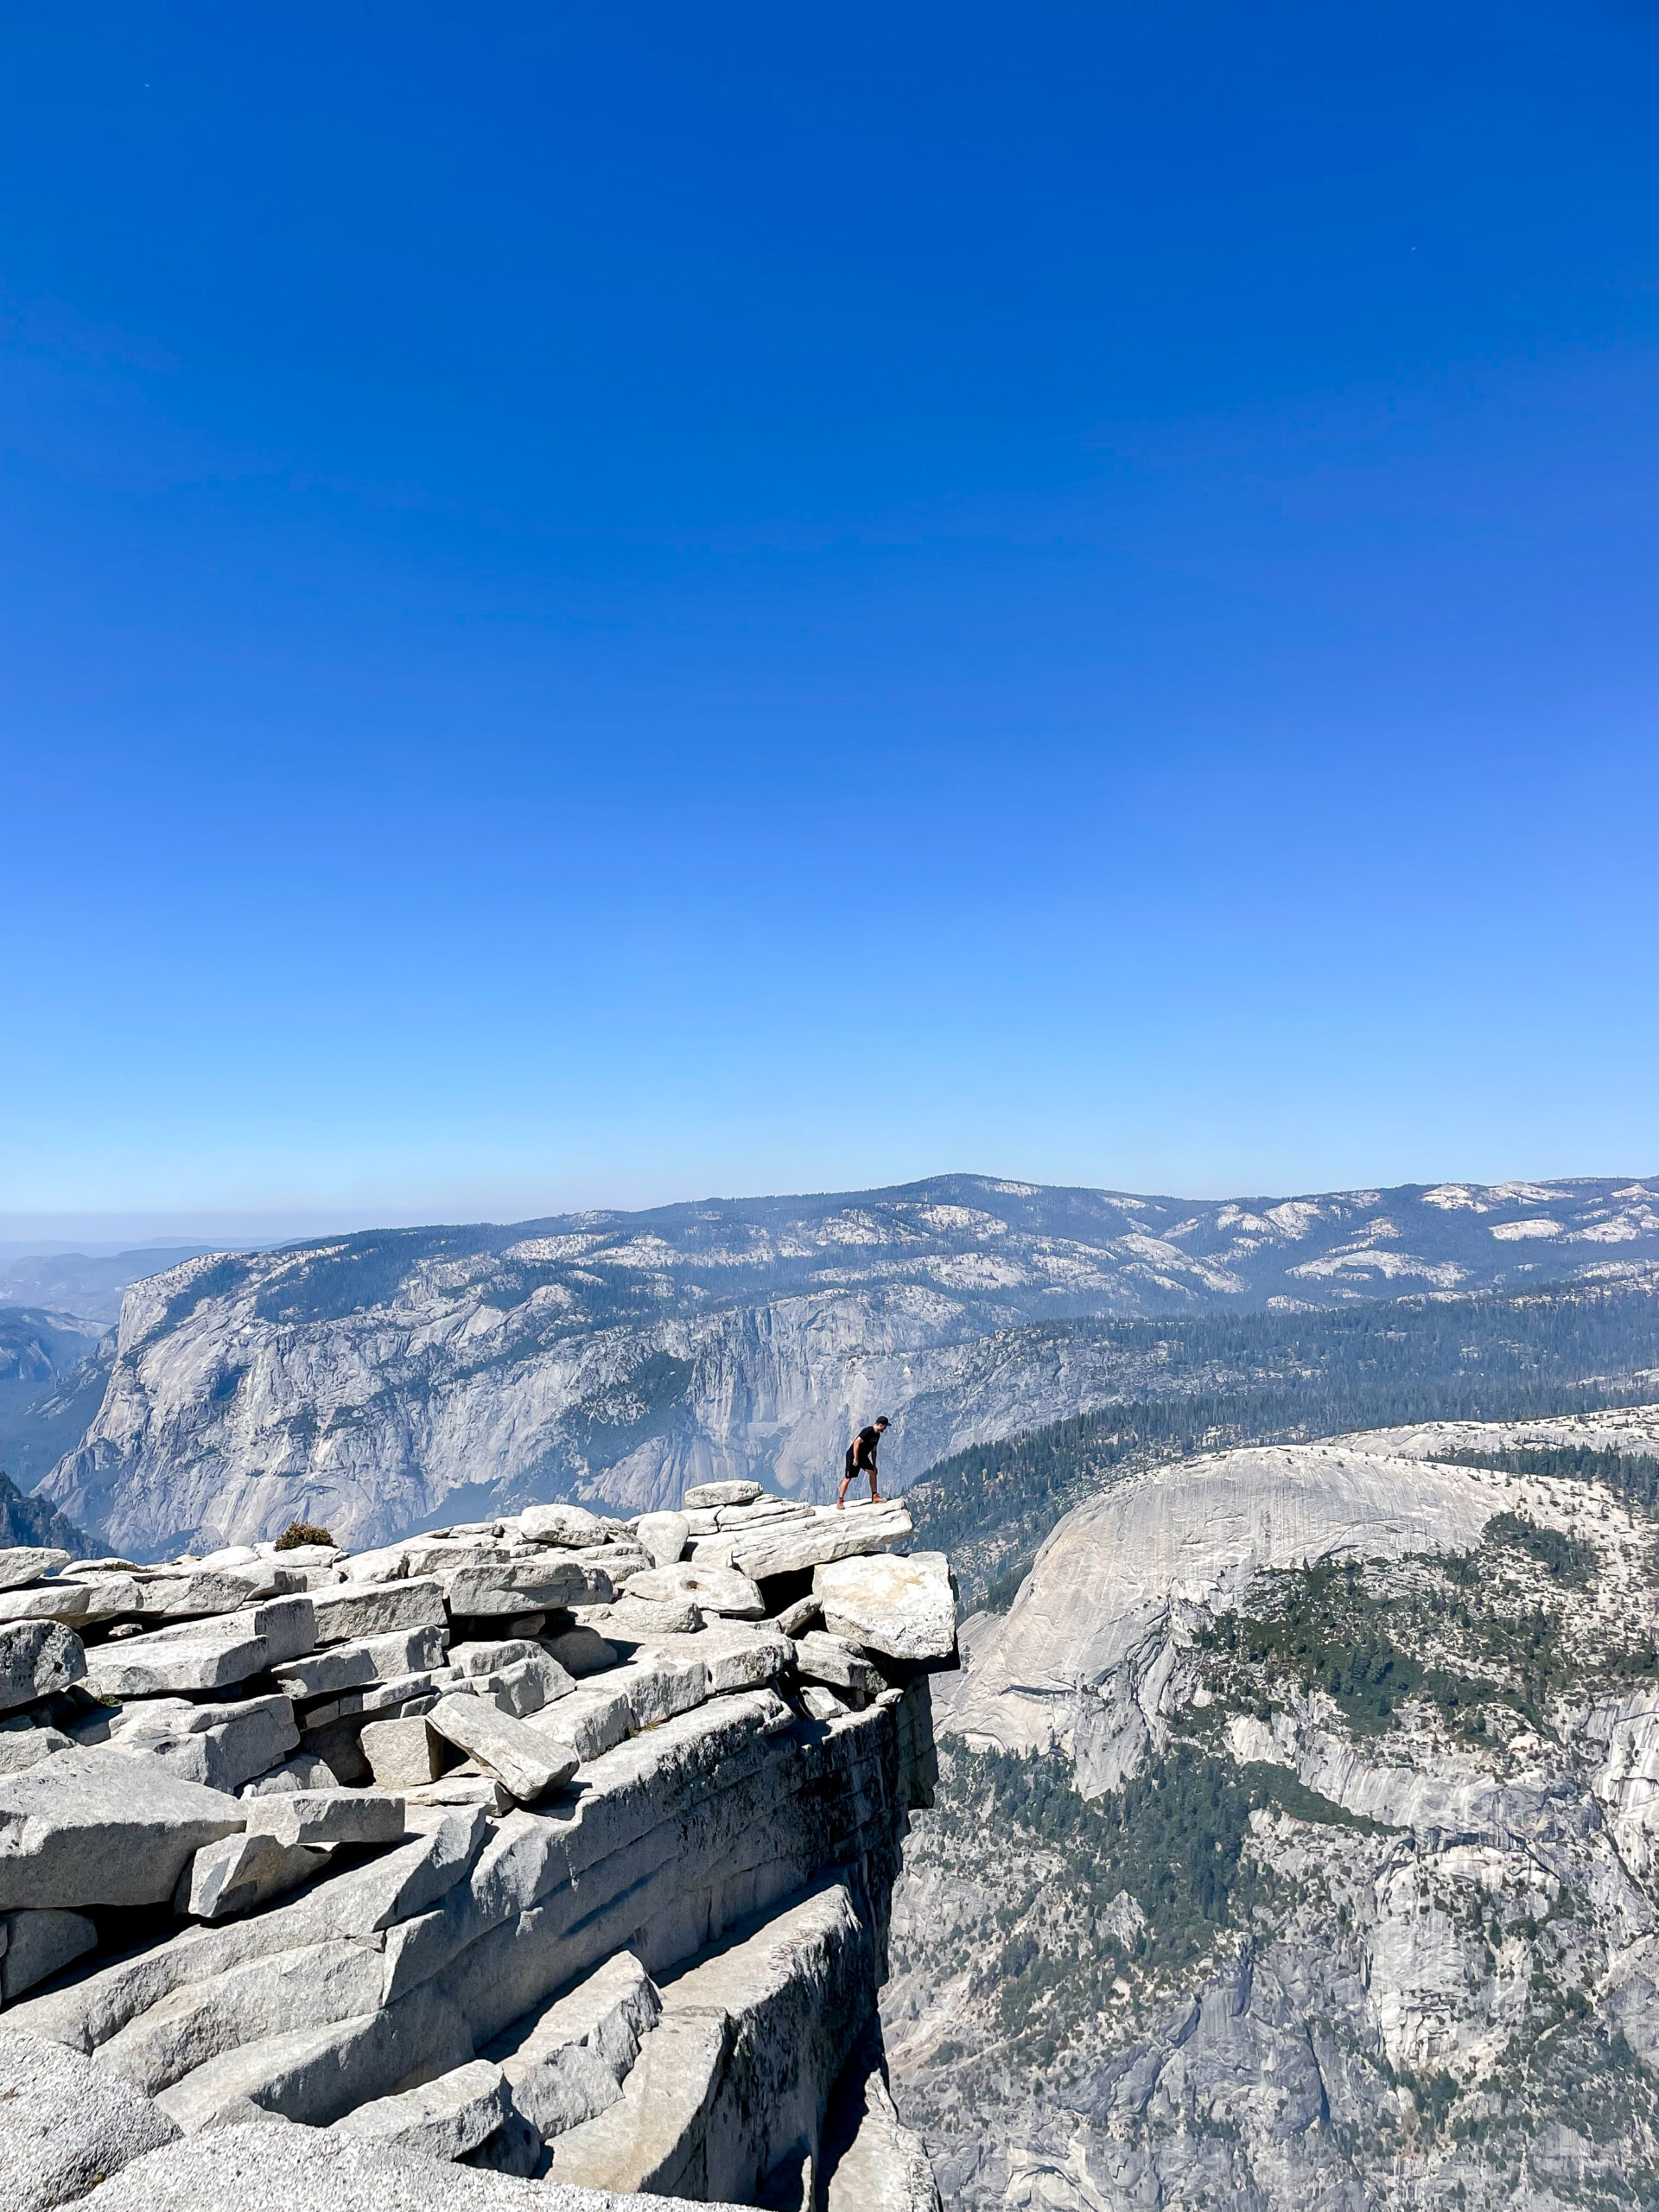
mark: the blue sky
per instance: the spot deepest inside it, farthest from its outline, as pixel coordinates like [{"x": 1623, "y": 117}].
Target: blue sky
[{"x": 608, "y": 604}]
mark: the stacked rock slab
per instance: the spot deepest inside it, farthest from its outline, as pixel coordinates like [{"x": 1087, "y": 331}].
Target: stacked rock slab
[{"x": 555, "y": 1847}]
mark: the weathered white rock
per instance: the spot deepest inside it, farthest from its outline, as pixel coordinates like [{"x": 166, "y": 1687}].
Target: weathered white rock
[
  {"x": 462, "y": 1786},
  {"x": 351, "y": 1613},
  {"x": 65, "y": 2124},
  {"x": 241, "y": 1872},
  {"x": 369, "y": 1659},
  {"x": 663, "y": 1536},
  {"x": 98, "y": 1827},
  {"x": 401, "y": 1696},
  {"x": 508, "y": 1587},
  {"x": 522, "y": 1760},
  {"x": 34, "y": 1946},
  {"x": 201, "y": 1591},
  {"x": 735, "y": 1655},
  {"x": 23, "y": 1742},
  {"x": 203, "y": 1655},
  {"x": 904, "y": 1608},
  {"x": 316, "y": 2074},
  {"x": 24, "y": 1563},
  {"x": 56, "y": 1601},
  {"x": 305, "y": 1770},
  {"x": 221, "y": 1746},
  {"x": 638, "y": 1620},
  {"x": 402, "y": 1754},
  {"x": 591, "y": 1720},
  {"x": 712, "y": 1589},
  {"x": 569, "y": 1525},
  {"x": 796, "y": 1620},
  {"x": 489, "y": 1658},
  {"x": 707, "y": 1495},
  {"x": 619, "y": 1563},
  {"x": 822, "y": 1658},
  {"x": 566, "y": 2063},
  {"x": 581, "y": 1652},
  {"x": 782, "y": 2007},
  {"x": 873, "y": 2161},
  {"x": 764, "y": 1509},
  {"x": 444, "y": 2119},
  {"x": 257, "y": 2167},
  {"x": 823, "y": 1704},
  {"x": 789, "y": 1547},
  {"x": 317, "y": 1817},
  {"x": 525, "y": 1686},
  {"x": 658, "y": 1685},
  {"x": 37, "y": 1657}
]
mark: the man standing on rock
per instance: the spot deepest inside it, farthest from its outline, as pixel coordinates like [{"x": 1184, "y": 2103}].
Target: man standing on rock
[{"x": 860, "y": 1460}]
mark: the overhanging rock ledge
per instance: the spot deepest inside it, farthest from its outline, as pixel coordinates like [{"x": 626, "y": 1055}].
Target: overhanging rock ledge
[{"x": 281, "y": 1925}]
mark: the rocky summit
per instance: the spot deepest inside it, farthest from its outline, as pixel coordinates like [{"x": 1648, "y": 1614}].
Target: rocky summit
[{"x": 535, "y": 1862}]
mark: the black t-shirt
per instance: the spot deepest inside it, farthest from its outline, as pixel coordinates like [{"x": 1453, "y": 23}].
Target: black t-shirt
[{"x": 864, "y": 1444}]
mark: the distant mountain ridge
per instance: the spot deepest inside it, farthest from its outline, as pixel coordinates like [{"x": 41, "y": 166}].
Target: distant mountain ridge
[{"x": 383, "y": 1381}]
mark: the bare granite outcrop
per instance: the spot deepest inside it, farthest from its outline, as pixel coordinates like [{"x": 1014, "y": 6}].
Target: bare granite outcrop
[{"x": 336, "y": 1864}]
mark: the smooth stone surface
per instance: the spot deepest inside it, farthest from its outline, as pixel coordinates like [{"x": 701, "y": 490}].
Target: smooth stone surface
[
  {"x": 1098, "y": 1592},
  {"x": 316, "y": 1817},
  {"x": 259, "y": 2167},
  {"x": 66, "y": 2123},
  {"x": 591, "y": 1721},
  {"x": 581, "y": 1652},
  {"x": 790, "y": 1547},
  {"x": 796, "y": 1620},
  {"x": 705, "y": 1496},
  {"x": 712, "y": 1589},
  {"x": 570, "y": 1525},
  {"x": 517, "y": 1585},
  {"x": 34, "y": 1946},
  {"x": 402, "y": 1754},
  {"x": 904, "y": 1608},
  {"x": 205, "y": 1654},
  {"x": 37, "y": 1657},
  {"x": 305, "y": 1770},
  {"x": 735, "y": 1655},
  {"x": 444, "y": 2119},
  {"x": 241, "y": 1872},
  {"x": 566, "y": 2063},
  {"x": 368, "y": 1659},
  {"x": 663, "y": 1536},
  {"x": 351, "y": 1612},
  {"x": 521, "y": 1759},
  {"x": 47, "y": 1601},
  {"x": 90, "y": 1827},
  {"x": 525, "y": 1686},
  {"x": 24, "y": 1563},
  {"x": 220, "y": 1746},
  {"x": 22, "y": 1747},
  {"x": 638, "y": 1620},
  {"x": 490, "y": 1658},
  {"x": 822, "y": 1704},
  {"x": 824, "y": 1658}
]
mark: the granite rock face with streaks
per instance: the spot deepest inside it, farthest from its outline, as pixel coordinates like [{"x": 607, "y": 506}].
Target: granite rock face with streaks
[{"x": 501, "y": 1962}]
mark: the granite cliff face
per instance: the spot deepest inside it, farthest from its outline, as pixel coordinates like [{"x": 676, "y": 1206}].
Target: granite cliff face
[
  {"x": 552, "y": 1848},
  {"x": 1296, "y": 1845},
  {"x": 376, "y": 1383}
]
